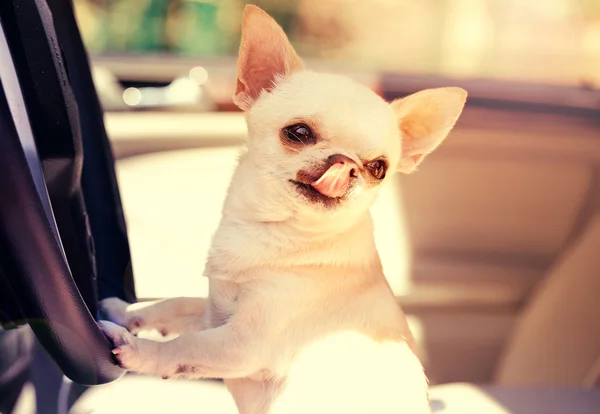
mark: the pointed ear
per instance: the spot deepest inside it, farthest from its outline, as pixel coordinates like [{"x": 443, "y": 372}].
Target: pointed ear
[
  {"x": 265, "y": 56},
  {"x": 425, "y": 119}
]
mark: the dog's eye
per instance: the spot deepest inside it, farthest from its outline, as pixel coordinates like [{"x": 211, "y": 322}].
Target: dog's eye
[
  {"x": 299, "y": 133},
  {"x": 377, "y": 169}
]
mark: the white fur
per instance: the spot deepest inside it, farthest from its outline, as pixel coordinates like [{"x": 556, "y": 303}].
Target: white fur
[{"x": 299, "y": 317}]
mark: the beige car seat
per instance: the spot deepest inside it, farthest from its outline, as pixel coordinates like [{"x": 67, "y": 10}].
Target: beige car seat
[
  {"x": 555, "y": 344},
  {"x": 557, "y": 338}
]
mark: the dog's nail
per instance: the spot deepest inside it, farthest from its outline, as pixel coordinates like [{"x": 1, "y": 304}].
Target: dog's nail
[
  {"x": 119, "y": 350},
  {"x": 165, "y": 377},
  {"x": 164, "y": 332}
]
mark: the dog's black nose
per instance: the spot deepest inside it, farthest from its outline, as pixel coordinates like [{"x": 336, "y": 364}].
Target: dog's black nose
[{"x": 344, "y": 159}]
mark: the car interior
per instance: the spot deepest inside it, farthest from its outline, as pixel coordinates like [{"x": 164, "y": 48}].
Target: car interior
[{"x": 115, "y": 161}]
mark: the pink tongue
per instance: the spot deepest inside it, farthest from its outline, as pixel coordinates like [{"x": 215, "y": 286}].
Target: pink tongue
[{"x": 335, "y": 180}]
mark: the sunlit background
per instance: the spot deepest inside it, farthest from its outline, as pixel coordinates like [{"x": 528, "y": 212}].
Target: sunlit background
[
  {"x": 467, "y": 243},
  {"x": 465, "y": 240},
  {"x": 491, "y": 247},
  {"x": 555, "y": 41},
  {"x": 165, "y": 59}
]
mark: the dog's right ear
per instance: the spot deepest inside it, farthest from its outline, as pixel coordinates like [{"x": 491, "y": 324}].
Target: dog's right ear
[{"x": 265, "y": 56}]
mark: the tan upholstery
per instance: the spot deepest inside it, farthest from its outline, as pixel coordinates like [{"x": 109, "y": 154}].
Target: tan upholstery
[
  {"x": 493, "y": 207},
  {"x": 557, "y": 339},
  {"x": 151, "y": 395},
  {"x": 463, "y": 398}
]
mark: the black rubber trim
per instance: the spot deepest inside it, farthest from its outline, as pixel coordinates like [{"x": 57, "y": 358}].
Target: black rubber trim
[
  {"x": 54, "y": 119},
  {"x": 32, "y": 257},
  {"x": 98, "y": 182},
  {"x": 38, "y": 273}
]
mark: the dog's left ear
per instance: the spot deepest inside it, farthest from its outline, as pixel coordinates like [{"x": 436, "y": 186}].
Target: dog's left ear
[
  {"x": 425, "y": 118},
  {"x": 265, "y": 55}
]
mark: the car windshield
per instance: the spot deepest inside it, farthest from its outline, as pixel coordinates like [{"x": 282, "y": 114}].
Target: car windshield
[{"x": 550, "y": 41}]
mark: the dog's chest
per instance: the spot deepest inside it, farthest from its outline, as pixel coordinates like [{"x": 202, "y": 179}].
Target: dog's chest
[{"x": 351, "y": 373}]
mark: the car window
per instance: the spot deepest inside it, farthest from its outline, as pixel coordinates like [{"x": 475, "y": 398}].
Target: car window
[{"x": 550, "y": 41}]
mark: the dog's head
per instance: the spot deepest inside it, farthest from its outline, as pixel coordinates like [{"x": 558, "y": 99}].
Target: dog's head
[{"x": 324, "y": 142}]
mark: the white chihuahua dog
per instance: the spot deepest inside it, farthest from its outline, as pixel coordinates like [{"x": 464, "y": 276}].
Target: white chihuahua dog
[{"x": 300, "y": 318}]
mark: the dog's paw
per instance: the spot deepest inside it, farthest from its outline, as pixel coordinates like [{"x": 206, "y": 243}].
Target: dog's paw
[
  {"x": 118, "y": 335},
  {"x": 116, "y": 311},
  {"x": 129, "y": 357},
  {"x": 127, "y": 349}
]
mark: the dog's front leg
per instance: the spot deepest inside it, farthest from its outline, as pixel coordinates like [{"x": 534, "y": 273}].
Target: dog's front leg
[
  {"x": 223, "y": 352},
  {"x": 168, "y": 316}
]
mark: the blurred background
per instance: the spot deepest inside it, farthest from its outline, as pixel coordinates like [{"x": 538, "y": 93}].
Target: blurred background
[
  {"x": 551, "y": 42},
  {"x": 469, "y": 241},
  {"x": 491, "y": 247},
  {"x": 556, "y": 41}
]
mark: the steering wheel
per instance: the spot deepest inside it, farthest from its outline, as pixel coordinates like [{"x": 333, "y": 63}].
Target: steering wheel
[{"x": 63, "y": 241}]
